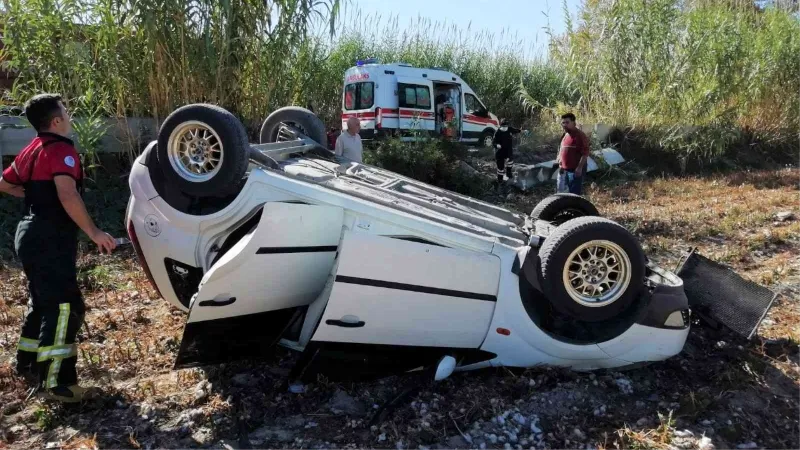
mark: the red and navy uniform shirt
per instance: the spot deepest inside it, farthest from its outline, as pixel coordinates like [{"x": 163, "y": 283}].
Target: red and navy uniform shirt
[{"x": 35, "y": 168}]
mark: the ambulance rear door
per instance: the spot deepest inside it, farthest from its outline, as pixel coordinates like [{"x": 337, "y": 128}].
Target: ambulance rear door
[
  {"x": 415, "y": 105},
  {"x": 359, "y": 101}
]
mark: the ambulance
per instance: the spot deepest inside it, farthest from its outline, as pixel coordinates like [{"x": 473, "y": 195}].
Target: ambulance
[{"x": 408, "y": 102}]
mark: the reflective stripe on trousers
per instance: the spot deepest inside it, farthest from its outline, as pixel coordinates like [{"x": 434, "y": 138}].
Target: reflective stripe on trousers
[
  {"x": 58, "y": 351},
  {"x": 48, "y": 251},
  {"x": 28, "y": 345}
]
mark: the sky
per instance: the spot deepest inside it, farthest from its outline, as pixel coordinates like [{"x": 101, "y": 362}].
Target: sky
[{"x": 526, "y": 18}]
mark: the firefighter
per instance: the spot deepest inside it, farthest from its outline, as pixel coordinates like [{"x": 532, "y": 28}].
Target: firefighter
[
  {"x": 503, "y": 143},
  {"x": 48, "y": 174}
]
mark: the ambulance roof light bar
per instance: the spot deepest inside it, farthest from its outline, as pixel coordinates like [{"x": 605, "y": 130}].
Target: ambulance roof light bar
[{"x": 360, "y": 62}]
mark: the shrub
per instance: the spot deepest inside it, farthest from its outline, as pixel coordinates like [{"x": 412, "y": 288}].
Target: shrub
[{"x": 434, "y": 161}]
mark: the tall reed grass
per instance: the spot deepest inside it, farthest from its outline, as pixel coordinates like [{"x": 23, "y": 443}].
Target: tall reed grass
[
  {"x": 699, "y": 76},
  {"x": 147, "y": 57}
]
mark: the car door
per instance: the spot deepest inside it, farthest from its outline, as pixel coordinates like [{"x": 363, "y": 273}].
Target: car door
[
  {"x": 476, "y": 118},
  {"x": 398, "y": 305},
  {"x": 415, "y": 105},
  {"x": 252, "y": 293}
]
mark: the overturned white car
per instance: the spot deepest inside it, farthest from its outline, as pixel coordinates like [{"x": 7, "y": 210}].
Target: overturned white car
[{"x": 369, "y": 273}]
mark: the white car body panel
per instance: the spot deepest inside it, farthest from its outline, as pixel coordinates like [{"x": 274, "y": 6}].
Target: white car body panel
[
  {"x": 643, "y": 343},
  {"x": 542, "y": 348},
  {"x": 458, "y": 289},
  {"x": 374, "y": 281},
  {"x": 241, "y": 272}
]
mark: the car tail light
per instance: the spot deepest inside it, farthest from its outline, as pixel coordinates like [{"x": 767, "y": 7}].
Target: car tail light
[
  {"x": 678, "y": 319},
  {"x": 378, "y": 118},
  {"x": 140, "y": 255}
]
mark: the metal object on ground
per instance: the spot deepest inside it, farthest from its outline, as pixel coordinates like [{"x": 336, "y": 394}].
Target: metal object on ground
[
  {"x": 716, "y": 292},
  {"x": 528, "y": 176}
]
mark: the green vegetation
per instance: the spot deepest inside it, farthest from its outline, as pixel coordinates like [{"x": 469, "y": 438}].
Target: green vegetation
[
  {"x": 689, "y": 81},
  {"x": 149, "y": 57},
  {"x": 434, "y": 161},
  {"x": 698, "y": 79}
]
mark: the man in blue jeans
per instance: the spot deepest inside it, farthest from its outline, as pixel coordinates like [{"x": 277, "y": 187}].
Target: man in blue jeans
[{"x": 572, "y": 156}]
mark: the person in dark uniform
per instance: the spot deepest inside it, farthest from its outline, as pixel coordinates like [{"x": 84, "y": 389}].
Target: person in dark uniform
[
  {"x": 503, "y": 144},
  {"x": 48, "y": 174}
]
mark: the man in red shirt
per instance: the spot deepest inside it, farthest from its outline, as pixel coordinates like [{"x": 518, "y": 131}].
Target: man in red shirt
[
  {"x": 48, "y": 174},
  {"x": 572, "y": 156}
]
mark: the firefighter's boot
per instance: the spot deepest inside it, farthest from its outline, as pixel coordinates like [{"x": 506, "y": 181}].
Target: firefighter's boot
[{"x": 68, "y": 394}]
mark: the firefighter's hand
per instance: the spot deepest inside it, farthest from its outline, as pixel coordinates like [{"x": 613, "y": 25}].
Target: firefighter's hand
[
  {"x": 104, "y": 241},
  {"x": 498, "y": 145}
]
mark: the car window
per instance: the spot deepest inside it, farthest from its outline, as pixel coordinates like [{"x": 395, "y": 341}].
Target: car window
[
  {"x": 350, "y": 96},
  {"x": 410, "y": 97},
  {"x": 366, "y": 99},
  {"x": 472, "y": 103},
  {"x": 359, "y": 95},
  {"x": 423, "y": 97},
  {"x": 414, "y": 96}
]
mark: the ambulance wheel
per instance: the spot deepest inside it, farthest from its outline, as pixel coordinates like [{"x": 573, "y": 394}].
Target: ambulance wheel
[
  {"x": 304, "y": 120},
  {"x": 559, "y": 208},
  {"x": 203, "y": 150},
  {"x": 592, "y": 268},
  {"x": 486, "y": 139}
]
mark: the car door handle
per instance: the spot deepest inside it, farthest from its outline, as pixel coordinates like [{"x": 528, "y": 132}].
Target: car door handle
[
  {"x": 225, "y": 302},
  {"x": 346, "y": 322}
]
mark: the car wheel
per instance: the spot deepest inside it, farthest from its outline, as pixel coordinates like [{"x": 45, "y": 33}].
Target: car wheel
[
  {"x": 560, "y": 208},
  {"x": 203, "y": 150},
  {"x": 592, "y": 269},
  {"x": 486, "y": 139},
  {"x": 304, "y": 120}
]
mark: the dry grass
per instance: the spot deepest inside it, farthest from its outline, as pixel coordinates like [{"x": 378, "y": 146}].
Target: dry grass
[
  {"x": 656, "y": 438},
  {"x": 731, "y": 219}
]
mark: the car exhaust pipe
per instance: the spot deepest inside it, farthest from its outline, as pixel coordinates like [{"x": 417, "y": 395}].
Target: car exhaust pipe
[{"x": 291, "y": 140}]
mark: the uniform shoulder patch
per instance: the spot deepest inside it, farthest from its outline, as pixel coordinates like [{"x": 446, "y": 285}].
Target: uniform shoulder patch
[{"x": 70, "y": 161}]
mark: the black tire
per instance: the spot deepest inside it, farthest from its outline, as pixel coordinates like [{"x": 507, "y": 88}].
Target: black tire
[
  {"x": 486, "y": 135},
  {"x": 559, "y": 208},
  {"x": 568, "y": 237},
  {"x": 306, "y": 121},
  {"x": 235, "y": 150}
]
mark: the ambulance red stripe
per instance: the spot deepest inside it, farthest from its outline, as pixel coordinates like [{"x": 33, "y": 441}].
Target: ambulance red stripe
[
  {"x": 479, "y": 120},
  {"x": 360, "y": 115}
]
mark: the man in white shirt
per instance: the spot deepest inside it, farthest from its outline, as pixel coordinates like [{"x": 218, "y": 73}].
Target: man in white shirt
[{"x": 348, "y": 144}]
